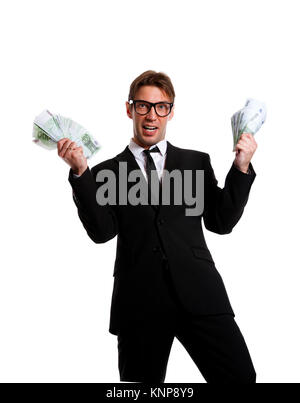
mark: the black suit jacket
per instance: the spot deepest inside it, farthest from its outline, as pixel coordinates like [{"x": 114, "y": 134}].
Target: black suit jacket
[{"x": 148, "y": 236}]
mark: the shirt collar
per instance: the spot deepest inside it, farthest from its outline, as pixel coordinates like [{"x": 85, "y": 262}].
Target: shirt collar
[{"x": 137, "y": 150}]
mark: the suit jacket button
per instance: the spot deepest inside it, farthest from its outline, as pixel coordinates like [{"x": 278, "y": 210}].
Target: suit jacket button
[{"x": 161, "y": 221}]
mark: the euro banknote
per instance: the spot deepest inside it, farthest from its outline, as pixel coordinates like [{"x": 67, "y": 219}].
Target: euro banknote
[
  {"x": 249, "y": 119},
  {"x": 49, "y": 128}
]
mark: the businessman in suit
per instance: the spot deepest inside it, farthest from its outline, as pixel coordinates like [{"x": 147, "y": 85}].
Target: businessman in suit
[{"x": 166, "y": 283}]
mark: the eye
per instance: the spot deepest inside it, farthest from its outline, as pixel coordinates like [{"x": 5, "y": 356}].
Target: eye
[
  {"x": 141, "y": 105},
  {"x": 162, "y": 106}
]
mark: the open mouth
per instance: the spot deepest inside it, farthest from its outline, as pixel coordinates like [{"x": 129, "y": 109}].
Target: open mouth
[{"x": 149, "y": 130}]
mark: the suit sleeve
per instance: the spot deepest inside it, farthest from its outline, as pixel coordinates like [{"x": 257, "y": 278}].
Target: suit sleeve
[
  {"x": 224, "y": 207},
  {"x": 100, "y": 222}
]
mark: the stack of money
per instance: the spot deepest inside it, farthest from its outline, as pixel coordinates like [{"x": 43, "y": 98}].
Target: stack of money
[
  {"x": 248, "y": 120},
  {"x": 48, "y": 129}
]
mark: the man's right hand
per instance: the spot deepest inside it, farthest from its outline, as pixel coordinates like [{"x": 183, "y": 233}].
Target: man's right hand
[{"x": 72, "y": 155}]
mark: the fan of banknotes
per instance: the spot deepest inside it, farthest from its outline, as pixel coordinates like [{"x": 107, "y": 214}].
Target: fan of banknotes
[
  {"x": 248, "y": 120},
  {"x": 48, "y": 129}
]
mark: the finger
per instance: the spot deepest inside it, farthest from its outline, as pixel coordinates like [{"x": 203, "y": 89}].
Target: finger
[
  {"x": 243, "y": 142},
  {"x": 60, "y": 144},
  {"x": 250, "y": 142},
  {"x": 63, "y": 140},
  {"x": 74, "y": 151},
  {"x": 77, "y": 149},
  {"x": 71, "y": 149},
  {"x": 242, "y": 147},
  {"x": 243, "y": 138},
  {"x": 250, "y": 139},
  {"x": 247, "y": 135},
  {"x": 66, "y": 148},
  {"x": 253, "y": 142}
]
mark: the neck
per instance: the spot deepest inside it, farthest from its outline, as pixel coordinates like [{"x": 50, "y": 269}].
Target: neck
[{"x": 145, "y": 146}]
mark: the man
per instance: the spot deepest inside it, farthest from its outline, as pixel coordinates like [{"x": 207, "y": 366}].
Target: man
[{"x": 165, "y": 280}]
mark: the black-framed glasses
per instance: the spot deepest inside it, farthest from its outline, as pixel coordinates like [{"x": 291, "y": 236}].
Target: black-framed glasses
[{"x": 141, "y": 107}]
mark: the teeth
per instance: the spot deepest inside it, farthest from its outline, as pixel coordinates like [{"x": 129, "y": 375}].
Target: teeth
[{"x": 150, "y": 127}]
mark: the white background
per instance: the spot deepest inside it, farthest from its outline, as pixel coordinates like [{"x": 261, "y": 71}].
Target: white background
[{"x": 78, "y": 58}]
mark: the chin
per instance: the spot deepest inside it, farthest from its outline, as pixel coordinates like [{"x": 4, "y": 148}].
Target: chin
[{"x": 148, "y": 140}]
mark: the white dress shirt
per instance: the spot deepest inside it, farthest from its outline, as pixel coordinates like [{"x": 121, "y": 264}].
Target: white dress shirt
[{"x": 158, "y": 158}]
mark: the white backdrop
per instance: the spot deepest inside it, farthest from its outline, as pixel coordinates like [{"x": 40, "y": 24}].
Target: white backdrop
[{"x": 78, "y": 58}]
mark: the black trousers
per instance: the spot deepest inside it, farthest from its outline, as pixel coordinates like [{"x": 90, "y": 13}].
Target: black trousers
[{"x": 214, "y": 342}]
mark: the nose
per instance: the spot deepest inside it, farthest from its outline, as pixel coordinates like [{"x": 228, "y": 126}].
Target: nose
[{"x": 151, "y": 114}]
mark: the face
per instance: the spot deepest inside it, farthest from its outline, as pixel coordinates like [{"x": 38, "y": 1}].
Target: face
[{"x": 143, "y": 137}]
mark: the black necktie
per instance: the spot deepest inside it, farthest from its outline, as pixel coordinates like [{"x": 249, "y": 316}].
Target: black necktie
[{"x": 150, "y": 166}]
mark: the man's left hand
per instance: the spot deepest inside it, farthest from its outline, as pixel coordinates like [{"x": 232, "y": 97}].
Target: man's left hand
[{"x": 245, "y": 148}]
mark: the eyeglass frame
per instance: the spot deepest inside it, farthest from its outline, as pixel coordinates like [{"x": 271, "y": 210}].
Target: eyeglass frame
[{"x": 133, "y": 101}]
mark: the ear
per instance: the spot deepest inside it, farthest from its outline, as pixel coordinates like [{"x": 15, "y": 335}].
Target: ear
[
  {"x": 128, "y": 109},
  {"x": 171, "y": 114}
]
